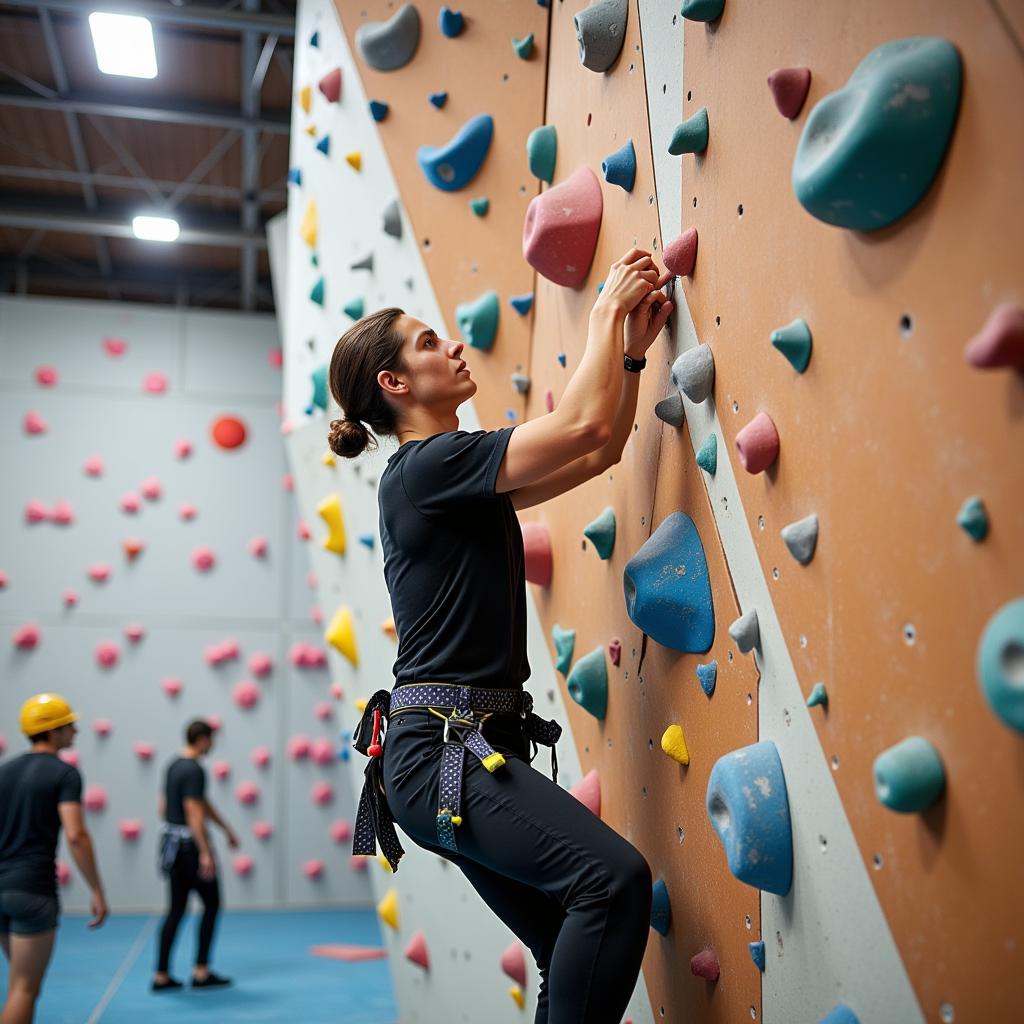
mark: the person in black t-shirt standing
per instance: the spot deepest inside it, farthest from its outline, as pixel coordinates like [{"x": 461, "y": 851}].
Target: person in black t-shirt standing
[
  {"x": 186, "y": 857},
  {"x": 39, "y": 793}
]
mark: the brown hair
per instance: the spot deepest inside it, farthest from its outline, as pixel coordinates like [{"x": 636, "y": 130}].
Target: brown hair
[{"x": 370, "y": 345}]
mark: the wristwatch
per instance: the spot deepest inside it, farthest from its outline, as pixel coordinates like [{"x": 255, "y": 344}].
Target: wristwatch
[{"x": 633, "y": 365}]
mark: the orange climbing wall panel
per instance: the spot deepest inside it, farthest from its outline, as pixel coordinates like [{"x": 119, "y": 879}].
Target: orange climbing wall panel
[
  {"x": 646, "y": 796},
  {"x": 467, "y": 255},
  {"x": 884, "y": 437}
]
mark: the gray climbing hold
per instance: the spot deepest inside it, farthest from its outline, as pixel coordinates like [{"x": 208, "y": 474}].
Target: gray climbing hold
[
  {"x": 973, "y": 518},
  {"x": 601, "y": 533},
  {"x": 691, "y": 136},
  {"x": 541, "y": 151},
  {"x": 600, "y": 33},
  {"x": 670, "y": 410},
  {"x": 794, "y": 342},
  {"x": 702, "y": 10},
  {"x": 707, "y": 456},
  {"x": 693, "y": 373},
  {"x": 393, "y": 219},
  {"x": 746, "y": 631},
  {"x": 818, "y": 695},
  {"x": 366, "y": 263},
  {"x": 389, "y": 45},
  {"x": 521, "y": 382},
  {"x": 801, "y": 538}
]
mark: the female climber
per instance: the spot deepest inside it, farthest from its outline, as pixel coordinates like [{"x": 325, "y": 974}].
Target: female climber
[{"x": 454, "y": 771}]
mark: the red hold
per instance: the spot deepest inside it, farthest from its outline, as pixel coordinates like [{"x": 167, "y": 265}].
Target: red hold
[
  {"x": 758, "y": 443},
  {"x": 1000, "y": 343},
  {"x": 513, "y": 963},
  {"x": 537, "y": 550},
  {"x": 416, "y": 951},
  {"x": 615, "y": 650},
  {"x": 681, "y": 254},
  {"x": 330, "y": 85},
  {"x": 789, "y": 88},
  {"x": 705, "y": 965}
]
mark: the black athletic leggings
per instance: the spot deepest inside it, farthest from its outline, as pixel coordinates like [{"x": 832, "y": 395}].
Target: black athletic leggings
[
  {"x": 574, "y": 891},
  {"x": 183, "y": 878}
]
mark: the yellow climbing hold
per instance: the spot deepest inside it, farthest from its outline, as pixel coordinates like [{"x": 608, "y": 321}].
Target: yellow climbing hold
[
  {"x": 328, "y": 459},
  {"x": 354, "y": 160},
  {"x": 388, "y": 627},
  {"x": 311, "y": 129},
  {"x": 330, "y": 513},
  {"x": 388, "y": 908},
  {"x": 305, "y": 97},
  {"x": 341, "y": 633},
  {"x": 383, "y": 862},
  {"x": 517, "y": 994},
  {"x": 360, "y": 703},
  {"x": 673, "y": 742},
  {"x": 308, "y": 231}
]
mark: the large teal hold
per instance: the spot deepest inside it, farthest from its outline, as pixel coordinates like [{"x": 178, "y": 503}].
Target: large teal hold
[
  {"x": 588, "y": 683},
  {"x": 319, "y": 379},
  {"x": 455, "y": 164},
  {"x": 542, "y": 151},
  {"x": 565, "y": 644},
  {"x": 668, "y": 592},
  {"x": 909, "y": 777},
  {"x": 702, "y": 10},
  {"x": 661, "y": 908},
  {"x": 601, "y": 533},
  {"x": 1001, "y": 663},
  {"x": 478, "y": 320},
  {"x": 870, "y": 151},
  {"x": 749, "y": 809}
]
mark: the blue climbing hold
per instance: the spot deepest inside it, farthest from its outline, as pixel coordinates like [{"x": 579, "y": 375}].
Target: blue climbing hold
[
  {"x": 561, "y": 358},
  {"x": 455, "y": 164},
  {"x": 378, "y": 110},
  {"x": 314, "y": 39},
  {"x": 794, "y": 342},
  {"x": 324, "y": 145},
  {"x": 565, "y": 644},
  {"x": 870, "y": 151},
  {"x": 451, "y": 22},
  {"x": 542, "y": 151},
  {"x": 367, "y": 540},
  {"x": 480, "y": 205},
  {"x": 439, "y": 99},
  {"x": 1001, "y": 663},
  {"x": 354, "y": 308},
  {"x": 973, "y": 518},
  {"x": 707, "y": 456},
  {"x": 478, "y": 320},
  {"x": 601, "y": 533},
  {"x": 708, "y": 677},
  {"x": 661, "y": 908},
  {"x": 510, "y": 414},
  {"x": 749, "y": 809},
  {"x": 757, "y": 954},
  {"x": 389, "y": 45},
  {"x": 909, "y": 777},
  {"x": 818, "y": 695},
  {"x": 295, "y": 175},
  {"x": 840, "y": 1015},
  {"x": 317, "y": 292},
  {"x": 319, "y": 379},
  {"x": 668, "y": 592},
  {"x": 588, "y": 683},
  {"x": 619, "y": 168},
  {"x": 522, "y": 304}
]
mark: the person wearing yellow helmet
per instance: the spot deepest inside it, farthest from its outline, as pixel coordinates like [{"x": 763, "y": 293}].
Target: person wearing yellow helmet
[{"x": 39, "y": 793}]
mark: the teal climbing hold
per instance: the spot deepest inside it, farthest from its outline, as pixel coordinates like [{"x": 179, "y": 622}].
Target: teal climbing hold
[
  {"x": 295, "y": 175},
  {"x": 324, "y": 145},
  {"x": 702, "y": 10},
  {"x": 619, "y": 168},
  {"x": 438, "y": 99},
  {"x": 378, "y": 110},
  {"x": 480, "y": 205},
  {"x": 691, "y": 136},
  {"x": 667, "y": 588},
  {"x": 840, "y": 1015},
  {"x": 909, "y": 777},
  {"x": 819, "y": 695},
  {"x": 314, "y": 39},
  {"x": 478, "y": 320},
  {"x": 600, "y": 287},
  {"x": 389, "y": 45},
  {"x": 870, "y": 151},
  {"x": 317, "y": 292},
  {"x": 451, "y": 22},
  {"x": 455, "y": 164},
  {"x": 354, "y": 308},
  {"x": 588, "y": 683},
  {"x": 561, "y": 358},
  {"x": 661, "y": 908},
  {"x": 522, "y": 304},
  {"x": 314, "y": 259},
  {"x": 565, "y": 643},
  {"x": 707, "y": 455},
  {"x": 757, "y": 954},
  {"x": 973, "y": 518},
  {"x": 367, "y": 540},
  {"x": 707, "y": 676},
  {"x": 542, "y": 151},
  {"x": 748, "y": 806},
  {"x": 1001, "y": 663},
  {"x": 601, "y": 533},
  {"x": 319, "y": 379},
  {"x": 794, "y": 342},
  {"x": 523, "y": 47}
]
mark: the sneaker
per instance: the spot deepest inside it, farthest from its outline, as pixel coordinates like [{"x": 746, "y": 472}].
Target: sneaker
[
  {"x": 160, "y": 986},
  {"x": 210, "y": 981}
]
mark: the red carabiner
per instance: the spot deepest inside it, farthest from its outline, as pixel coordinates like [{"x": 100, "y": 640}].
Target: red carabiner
[{"x": 375, "y": 749}]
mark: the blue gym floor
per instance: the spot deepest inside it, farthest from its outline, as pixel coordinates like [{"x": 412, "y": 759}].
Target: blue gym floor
[{"x": 104, "y": 975}]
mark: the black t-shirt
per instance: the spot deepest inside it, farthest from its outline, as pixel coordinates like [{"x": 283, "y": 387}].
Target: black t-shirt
[
  {"x": 31, "y": 787},
  {"x": 185, "y": 778},
  {"x": 453, "y": 562}
]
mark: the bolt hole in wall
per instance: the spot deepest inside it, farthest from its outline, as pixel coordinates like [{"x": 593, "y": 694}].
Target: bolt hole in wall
[
  {"x": 910, "y": 634},
  {"x": 835, "y": 762},
  {"x": 823, "y": 843},
  {"x": 739, "y": 210},
  {"x": 906, "y": 325},
  {"x": 718, "y": 321},
  {"x": 946, "y": 1013},
  {"x": 877, "y": 861},
  {"x": 689, "y": 93},
  {"x": 748, "y": 922},
  {"x": 589, "y": 119},
  {"x": 680, "y": 832}
]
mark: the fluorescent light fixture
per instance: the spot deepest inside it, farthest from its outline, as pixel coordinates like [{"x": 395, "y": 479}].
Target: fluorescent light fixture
[
  {"x": 124, "y": 44},
  {"x": 155, "y": 229}
]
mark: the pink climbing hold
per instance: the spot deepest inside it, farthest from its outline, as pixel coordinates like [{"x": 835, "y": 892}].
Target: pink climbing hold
[
  {"x": 322, "y": 793},
  {"x": 4, "y": 580},
  {"x": 221, "y": 769},
  {"x": 26, "y": 637},
  {"x": 33, "y": 423},
  {"x": 203, "y": 559},
  {"x": 115, "y": 346},
  {"x": 36, "y": 512},
  {"x": 102, "y": 727},
  {"x": 341, "y": 831},
  {"x": 323, "y": 710},
  {"x": 70, "y": 598},
  {"x": 302, "y": 530},
  {"x": 287, "y": 482},
  {"x": 130, "y": 829},
  {"x": 151, "y": 489},
  {"x": 258, "y": 547},
  {"x": 322, "y": 752},
  {"x": 276, "y": 358},
  {"x": 183, "y": 448},
  {"x": 69, "y": 757},
  {"x": 1000, "y": 343},
  {"x": 789, "y": 87},
  {"x": 357, "y": 862},
  {"x": 758, "y": 443},
  {"x": 243, "y": 864},
  {"x": 549, "y": 400},
  {"x": 217, "y": 654},
  {"x": 313, "y": 869},
  {"x": 615, "y": 650},
  {"x": 261, "y": 757},
  {"x": 93, "y": 466},
  {"x": 316, "y": 615},
  {"x": 171, "y": 685},
  {"x": 130, "y": 503},
  {"x": 330, "y": 85},
  {"x": 143, "y": 751},
  {"x": 3, "y": 745},
  {"x": 298, "y": 748},
  {"x": 311, "y": 580},
  {"x": 513, "y": 963},
  {"x": 681, "y": 253},
  {"x": 261, "y": 664},
  {"x": 416, "y": 951},
  {"x": 337, "y": 691},
  {"x": 561, "y": 228},
  {"x": 537, "y": 549},
  {"x": 95, "y": 798},
  {"x": 107, "y": 654},
  {"x": 705, "y": 965},
  {"x": 63, "y": 873},
  {"x": 99, "y": 572},
  {"x": 46, "y": 376},
  {"x": 303, "y": 655},
  {"x": 154, "y": 383},
  {"x": 134, "y": 632},
  {"x": 247, "y": 793},
  {"x": 246, "y": 694},
  {"x": 186, "y": 512},
  {"x": 262, "y": 830},
  {"x": 62, "y": 513},
  {"x": 588, "y": 791},
  {"x": 214, "y": 722}
]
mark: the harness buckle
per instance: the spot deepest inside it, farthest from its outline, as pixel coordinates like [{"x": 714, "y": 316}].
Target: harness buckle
[{"x": 474, "y": 725}]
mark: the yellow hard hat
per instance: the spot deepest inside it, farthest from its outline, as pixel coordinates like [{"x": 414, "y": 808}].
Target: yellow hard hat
[{"x": 45, "y": 711}]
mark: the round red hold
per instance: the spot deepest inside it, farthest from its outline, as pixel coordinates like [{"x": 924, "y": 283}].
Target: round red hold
[{"x": 228, "y": 432}]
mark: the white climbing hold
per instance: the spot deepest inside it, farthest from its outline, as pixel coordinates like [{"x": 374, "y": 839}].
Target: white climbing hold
[{"x": 746, "y": 631}]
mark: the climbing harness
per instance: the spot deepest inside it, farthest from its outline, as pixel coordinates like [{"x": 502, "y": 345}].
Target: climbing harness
[
  {"x": 171, "y": 839},
  {"x": 468, "y": 708}
]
